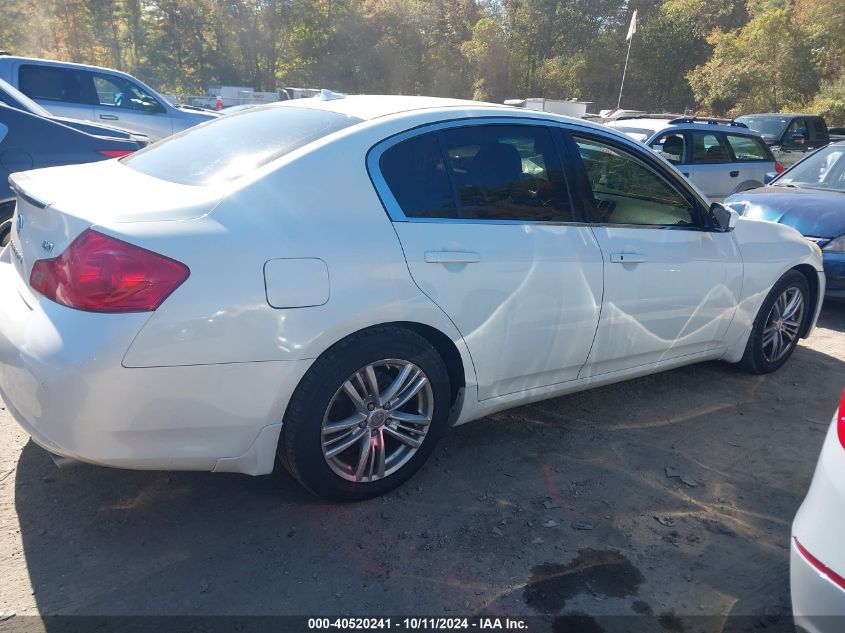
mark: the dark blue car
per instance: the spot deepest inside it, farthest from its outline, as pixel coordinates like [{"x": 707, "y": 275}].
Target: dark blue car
[
  {"x": 809, "y": 197},
  {"x": 30, "y": 137}
]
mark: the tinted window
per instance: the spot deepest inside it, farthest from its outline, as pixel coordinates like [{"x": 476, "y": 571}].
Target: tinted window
[
  {"x": 416, "y": 174},
  {"x": 506, "y": 172},
  {"x": 748, "y": 148},
  {"x": 671, "y": 146},
  {"x": 708, "y": 148},
  {"x": 121, "y": 93},
  {"x": 798, "y": 126},
  {"x": 234, "y": 145},
  {"x": 58, "y": 84},
  {"x": 819, "y": 130},
  {"x": 627, "y": 191}
]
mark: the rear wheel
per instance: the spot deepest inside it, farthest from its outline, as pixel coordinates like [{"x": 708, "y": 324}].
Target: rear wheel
[
  {"x": 366, "y": 415},
  {"x": 778, "y": 325},
  {"x": 7, "y": 210}
]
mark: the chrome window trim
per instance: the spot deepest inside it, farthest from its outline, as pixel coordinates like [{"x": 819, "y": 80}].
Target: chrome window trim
[{"x": 391, "y": 206}]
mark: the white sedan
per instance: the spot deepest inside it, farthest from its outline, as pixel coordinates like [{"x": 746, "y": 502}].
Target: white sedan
[
  {"x": 332, "y": 282},
  {"x": 817, "y": 560}
]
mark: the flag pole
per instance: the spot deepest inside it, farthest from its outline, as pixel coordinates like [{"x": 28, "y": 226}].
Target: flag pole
[{"x": 625, "y": 70}]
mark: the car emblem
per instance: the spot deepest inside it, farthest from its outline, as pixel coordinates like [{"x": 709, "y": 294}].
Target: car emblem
[
  {"x": 20, "y": 222},
  {"x": 47, "y": 245}
]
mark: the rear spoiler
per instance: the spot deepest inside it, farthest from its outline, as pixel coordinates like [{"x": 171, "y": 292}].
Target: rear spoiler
[{"x": 16, "y": 181}]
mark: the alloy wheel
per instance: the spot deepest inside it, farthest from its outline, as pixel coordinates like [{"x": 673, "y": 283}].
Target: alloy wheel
[
  {"x": 783, "y": 324},
  {"x": 377, "y": 420}
]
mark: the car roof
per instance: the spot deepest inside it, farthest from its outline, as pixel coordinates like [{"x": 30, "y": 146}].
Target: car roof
[
  {"x": 53, "y": 62},
  {"x": 368, "y": 107},
  {"x": 666, "y": 125}
]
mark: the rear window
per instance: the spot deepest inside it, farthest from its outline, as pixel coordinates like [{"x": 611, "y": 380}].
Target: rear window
[
  {"x": 748, "y": 148},
  {"x": 232, "y": 146}
]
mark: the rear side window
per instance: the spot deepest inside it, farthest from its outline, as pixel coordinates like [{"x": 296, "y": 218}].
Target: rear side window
[
  {"x": 56, "y": 84},
  {"x": 748, "y": 148},
  {"x": 709, "y": 148},
  {"x": 229, "y": 147},
  {"x": 416, "y": 174},
  {"x": 506, "y": 172}
]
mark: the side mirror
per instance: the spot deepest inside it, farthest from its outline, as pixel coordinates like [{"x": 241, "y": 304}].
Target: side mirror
[
  {"x": 721, "y": 219},
  {"x": 769, "y": 176}
]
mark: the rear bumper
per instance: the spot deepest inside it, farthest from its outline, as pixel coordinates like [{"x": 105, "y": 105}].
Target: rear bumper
[{"x": 62, "y": 380}]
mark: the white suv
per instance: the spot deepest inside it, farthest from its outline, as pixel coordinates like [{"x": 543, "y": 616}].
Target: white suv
[
  {"x": 98, "y": 94},
  {"x": 720, "y": 157}
]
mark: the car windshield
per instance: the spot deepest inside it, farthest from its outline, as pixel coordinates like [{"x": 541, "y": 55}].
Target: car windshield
[
  {"x": 769, "y": 127},
  {"x": 232, "y": 146},
  {"x": 823, "y": 170},
  {"x": 13, "y": 97}
]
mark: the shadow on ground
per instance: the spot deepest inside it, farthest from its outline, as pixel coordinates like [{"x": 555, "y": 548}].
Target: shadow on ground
[{"x": 686, "y": 481}]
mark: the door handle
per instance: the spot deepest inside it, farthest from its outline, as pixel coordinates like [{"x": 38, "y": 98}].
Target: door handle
[
  {"x": 451, "y": 257},
  {"x": 109, "y": 117},
  {"x": 734, "y": 174},
  {"x": 627, "y": 258}
]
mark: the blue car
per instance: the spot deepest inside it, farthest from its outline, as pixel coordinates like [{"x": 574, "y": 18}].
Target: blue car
[{"x": 809, "y": 197}]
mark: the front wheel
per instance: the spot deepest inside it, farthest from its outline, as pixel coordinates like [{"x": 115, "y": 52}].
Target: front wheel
[
  {"x": 778, "y": 325},
  {"x": 366, "y": 415}
]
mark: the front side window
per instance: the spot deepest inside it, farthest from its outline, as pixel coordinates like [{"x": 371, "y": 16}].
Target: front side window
[
  {"x": 709, "y": 148},
  {"x": 671, "y": 146},
  {"x": 232, "y": 146},
  {"x": 628, "y": 191},
  {"x": 55, "y": 83},
  {"x": 121, "y": 93},
  {"x": 797, "y": 133},
  {"x": 748, "y": 148}
]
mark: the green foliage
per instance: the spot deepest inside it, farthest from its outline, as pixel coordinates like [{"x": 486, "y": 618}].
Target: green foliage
[{"x": 720, "y": 56}]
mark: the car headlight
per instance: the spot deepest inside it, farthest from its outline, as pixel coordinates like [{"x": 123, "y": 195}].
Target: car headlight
[{"x": 836, "y": 245}]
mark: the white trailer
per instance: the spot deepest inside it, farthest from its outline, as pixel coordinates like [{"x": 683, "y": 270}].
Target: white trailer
[{"x": 570, "y": 107}]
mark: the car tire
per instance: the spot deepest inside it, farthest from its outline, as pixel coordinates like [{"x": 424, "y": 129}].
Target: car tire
[
  {"x": 7, "y": 211},
  {"x": 336, "y": 406},
  {"x": 778, "y": 325}
]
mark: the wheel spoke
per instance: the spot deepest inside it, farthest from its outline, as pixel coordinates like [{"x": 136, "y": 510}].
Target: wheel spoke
[
  {"x": 388, "y": 394},
  {"x": 410, "y": 418},
  {"x": 350, "y": 390},
  {"x": 363, "y": 455},
  {"x": 408, "y": 393},
  {"x": 378, "y": 442},
  {"x": 410, "y": 441},
  {"x": 372, "y": 382},
  {"x": 339, "y": 447},
  {"x": 347, "y": 423},
  {"x": 795, "y": 303}
]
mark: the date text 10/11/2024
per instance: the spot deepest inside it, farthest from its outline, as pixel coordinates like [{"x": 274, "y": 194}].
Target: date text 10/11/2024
[{"x": 415, "y": 624}]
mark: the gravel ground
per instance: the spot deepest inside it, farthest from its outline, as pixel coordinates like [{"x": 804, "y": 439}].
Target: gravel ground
[{"x": 670, "y": 496}]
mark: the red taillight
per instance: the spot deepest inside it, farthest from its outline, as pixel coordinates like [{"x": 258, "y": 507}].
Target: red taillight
[
  {"x": 779, "y": 169},
  {"x": 840, "y": 420},
  {"x": 820, "y": 566},
  {"x": 118, "y": 153},
  {"x": 98, "y": 273}
]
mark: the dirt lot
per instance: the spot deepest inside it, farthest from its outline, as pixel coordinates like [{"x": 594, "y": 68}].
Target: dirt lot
[{"x": 670, "y": 495}]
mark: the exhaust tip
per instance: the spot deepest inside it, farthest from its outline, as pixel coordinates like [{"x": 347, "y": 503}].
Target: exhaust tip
[{"x": 64, "y": 463}]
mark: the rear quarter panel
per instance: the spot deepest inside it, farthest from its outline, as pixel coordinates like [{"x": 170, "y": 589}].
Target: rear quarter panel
[{"x": 314, "y": 204}]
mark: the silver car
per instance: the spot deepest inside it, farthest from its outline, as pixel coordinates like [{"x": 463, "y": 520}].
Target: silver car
[
  {"x": 98, "y": 94},
  {"x": 719, "y": 157}
]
